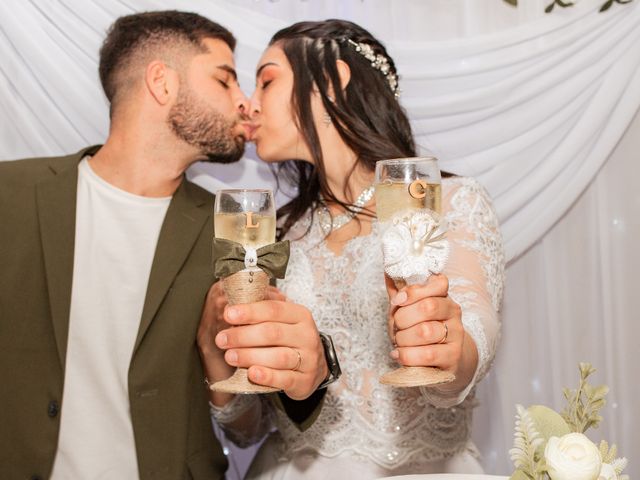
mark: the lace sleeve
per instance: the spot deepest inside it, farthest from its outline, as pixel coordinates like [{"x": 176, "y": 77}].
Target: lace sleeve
[
  {"x": 476, "y": 274},
  {"x": 258, "y": 425}
]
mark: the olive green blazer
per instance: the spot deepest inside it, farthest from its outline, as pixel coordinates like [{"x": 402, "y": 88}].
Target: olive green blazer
[{"x": 168, "y": 401}]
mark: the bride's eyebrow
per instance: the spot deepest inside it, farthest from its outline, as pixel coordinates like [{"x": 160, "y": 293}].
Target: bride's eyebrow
[{"x": 263, "y": 66}]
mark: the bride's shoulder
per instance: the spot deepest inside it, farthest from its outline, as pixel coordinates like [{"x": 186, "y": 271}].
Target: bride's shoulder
[
  {"x": 466, "y": 201},
  {"x": 456, "y": 182},
  {"x": 458, "y": 187}
]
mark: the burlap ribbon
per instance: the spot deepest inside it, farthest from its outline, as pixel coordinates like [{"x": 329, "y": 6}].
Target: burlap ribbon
[{"x": 231, "y": 257}]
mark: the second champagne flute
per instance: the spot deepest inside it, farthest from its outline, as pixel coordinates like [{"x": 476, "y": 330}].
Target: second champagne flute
[{"x": 408, "y": 207}]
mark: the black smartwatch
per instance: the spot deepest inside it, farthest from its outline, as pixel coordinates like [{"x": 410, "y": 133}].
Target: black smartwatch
[{"x": 332, "y": 360}]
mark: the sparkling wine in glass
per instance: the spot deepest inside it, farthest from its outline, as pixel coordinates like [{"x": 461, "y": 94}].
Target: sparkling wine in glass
[
  {"x": 409, "y": 201},
  {"x": 247, "y": 217}
]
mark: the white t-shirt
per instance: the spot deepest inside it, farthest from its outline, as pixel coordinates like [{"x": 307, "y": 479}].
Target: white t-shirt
[{"x": 115, "y": 241}]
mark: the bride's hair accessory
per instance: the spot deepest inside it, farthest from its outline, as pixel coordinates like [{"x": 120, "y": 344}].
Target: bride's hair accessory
[{"x": 379, "y": 62}]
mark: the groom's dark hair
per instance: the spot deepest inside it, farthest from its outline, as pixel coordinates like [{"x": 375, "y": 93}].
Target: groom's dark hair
[{"x": 164, "y": 35}]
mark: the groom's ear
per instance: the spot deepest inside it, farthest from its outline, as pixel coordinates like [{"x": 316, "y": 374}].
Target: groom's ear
[{"x": 161, "y": 81}]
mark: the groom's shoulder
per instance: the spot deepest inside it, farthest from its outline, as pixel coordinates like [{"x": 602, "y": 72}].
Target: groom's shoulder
[
  {"x": 199, "y": 193},
  {"x": 29, "y": 171}
]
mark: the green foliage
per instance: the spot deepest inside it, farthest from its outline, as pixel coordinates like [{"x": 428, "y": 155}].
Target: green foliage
[
  {"x": 585, "y": 403},
  {"x": 548, "y": 422},
  {"x": 609, "y": 455},
  {"x": 519, "y": 475},
  {"x": 537, "y": 424},
  {"x": 527, "y": 453}
]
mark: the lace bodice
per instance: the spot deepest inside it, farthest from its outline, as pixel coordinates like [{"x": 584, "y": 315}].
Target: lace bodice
[{"x": 348, "y": 299}]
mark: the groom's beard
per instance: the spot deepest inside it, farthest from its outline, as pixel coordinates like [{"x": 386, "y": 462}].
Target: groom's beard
[{"x": 206, "y": 129}]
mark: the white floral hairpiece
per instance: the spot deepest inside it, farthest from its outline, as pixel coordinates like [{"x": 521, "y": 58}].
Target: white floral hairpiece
[{"x": 379, "y": 62}]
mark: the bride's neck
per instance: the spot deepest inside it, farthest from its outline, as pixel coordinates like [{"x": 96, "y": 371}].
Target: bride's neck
[{"x": 345, "y": 182}]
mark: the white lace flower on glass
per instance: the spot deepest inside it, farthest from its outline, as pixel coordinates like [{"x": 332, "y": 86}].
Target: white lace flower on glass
[{"x": 414, "y": 246}]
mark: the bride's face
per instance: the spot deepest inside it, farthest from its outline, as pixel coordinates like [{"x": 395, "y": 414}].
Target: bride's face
[{"x": 276, "y": 134}]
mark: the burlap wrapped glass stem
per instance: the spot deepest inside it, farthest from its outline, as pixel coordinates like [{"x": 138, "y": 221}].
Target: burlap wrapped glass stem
[{"x": 245, "y": 274}]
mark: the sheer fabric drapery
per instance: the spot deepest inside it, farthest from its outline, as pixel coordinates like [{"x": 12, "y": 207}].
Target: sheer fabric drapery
[{"x": 531, "y": 105}]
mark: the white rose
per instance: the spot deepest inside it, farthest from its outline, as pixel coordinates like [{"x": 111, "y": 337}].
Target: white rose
[
  {"x": 607, "y": 472},
  {"x": 572, "y": 457}
]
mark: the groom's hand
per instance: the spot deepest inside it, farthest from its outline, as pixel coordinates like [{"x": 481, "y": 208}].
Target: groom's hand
[
  {"x": 278, "y": 342},
  {"x": 211, "y": 322}
]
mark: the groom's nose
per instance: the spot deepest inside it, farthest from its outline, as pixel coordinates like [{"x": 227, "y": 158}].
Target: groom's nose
[{"x": 242, "y": 104}]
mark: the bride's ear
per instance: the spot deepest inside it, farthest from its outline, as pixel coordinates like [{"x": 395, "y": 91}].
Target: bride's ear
[{"x": 344, "y": 72}]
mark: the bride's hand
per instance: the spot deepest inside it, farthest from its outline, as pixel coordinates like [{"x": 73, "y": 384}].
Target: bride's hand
[{"x": 425, "y": 326}]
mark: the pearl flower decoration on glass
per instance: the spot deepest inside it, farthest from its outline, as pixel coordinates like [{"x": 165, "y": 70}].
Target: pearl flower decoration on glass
[{"x": 414, "y": 246}]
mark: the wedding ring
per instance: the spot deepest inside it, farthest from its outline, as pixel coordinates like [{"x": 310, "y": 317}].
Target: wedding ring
[
  {"x": 395, "y": 332},
  {"x": 299, "y": 360},
  {"x": 446, "y": 333}
]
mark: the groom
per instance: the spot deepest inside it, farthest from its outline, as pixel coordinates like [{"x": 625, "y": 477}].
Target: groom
[{"x": 105, "y": 264}]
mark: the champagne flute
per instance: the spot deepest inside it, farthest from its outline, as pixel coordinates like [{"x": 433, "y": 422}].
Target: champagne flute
[
  {"x": 247, "y": 217},
  {"x": 408, "y": 207}
]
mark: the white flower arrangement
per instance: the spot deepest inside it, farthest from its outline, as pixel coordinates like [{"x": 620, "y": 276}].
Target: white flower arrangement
[{"x": 549, "y": 445}]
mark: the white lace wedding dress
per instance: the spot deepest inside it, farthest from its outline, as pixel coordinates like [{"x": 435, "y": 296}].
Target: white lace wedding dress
[{"x": 366, "y": 429}]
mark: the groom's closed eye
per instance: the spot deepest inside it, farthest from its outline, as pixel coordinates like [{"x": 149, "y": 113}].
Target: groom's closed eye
[{"x": 227, "y": 75}]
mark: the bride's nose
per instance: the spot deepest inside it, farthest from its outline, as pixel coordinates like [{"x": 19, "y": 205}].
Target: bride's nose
[{"x": 254, "y": 107}]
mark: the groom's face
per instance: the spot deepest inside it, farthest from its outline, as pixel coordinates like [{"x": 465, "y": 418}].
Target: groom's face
[{"x": 209, "y": 112}]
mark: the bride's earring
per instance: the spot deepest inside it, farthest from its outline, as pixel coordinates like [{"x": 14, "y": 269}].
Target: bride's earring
[{"x": 326, "y": 118}]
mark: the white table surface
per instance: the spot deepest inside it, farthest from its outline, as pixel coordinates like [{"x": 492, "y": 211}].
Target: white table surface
[{"x": 447, "y": 476}]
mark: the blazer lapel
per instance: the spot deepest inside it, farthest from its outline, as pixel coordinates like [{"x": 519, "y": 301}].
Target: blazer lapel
[
  {"x": 187, "y": 213},
  {"x": 56, "y": 204}
]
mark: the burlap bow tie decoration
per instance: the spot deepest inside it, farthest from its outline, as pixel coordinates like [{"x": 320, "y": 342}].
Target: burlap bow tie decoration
[{"x": 231, "y": 257}]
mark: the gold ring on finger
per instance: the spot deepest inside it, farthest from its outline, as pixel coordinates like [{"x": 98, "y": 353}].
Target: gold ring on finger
[
  {"x": 446, "y": 333},
  {"x": 395, "y": 332},
  {"x": 299, "y": 360}
]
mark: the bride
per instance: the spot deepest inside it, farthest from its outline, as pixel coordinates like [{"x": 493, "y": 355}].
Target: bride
[{"x": 326, "y": 109}]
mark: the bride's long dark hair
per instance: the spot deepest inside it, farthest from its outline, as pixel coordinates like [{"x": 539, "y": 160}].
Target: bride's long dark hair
[{"x": 366, "y": 114}]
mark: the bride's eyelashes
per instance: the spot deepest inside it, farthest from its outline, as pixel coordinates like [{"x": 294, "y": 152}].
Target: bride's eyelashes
[{"x": 265, "y": 79}]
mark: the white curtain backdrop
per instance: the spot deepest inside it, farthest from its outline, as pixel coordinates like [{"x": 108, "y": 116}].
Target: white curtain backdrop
[{"x": 535, "y": 106}]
